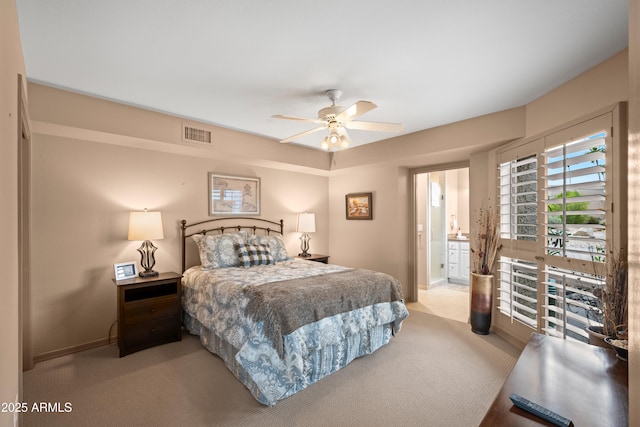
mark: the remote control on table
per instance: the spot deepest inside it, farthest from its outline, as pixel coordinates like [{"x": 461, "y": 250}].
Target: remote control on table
[{"x": 542, "y": 412}]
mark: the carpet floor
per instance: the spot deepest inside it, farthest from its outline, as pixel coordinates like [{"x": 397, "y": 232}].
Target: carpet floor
[
  {"x": 443, "y": 301},
  {"x": 435, "y": 372}
]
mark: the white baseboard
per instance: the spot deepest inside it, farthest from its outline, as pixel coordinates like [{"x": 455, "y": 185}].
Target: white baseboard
[{"x": 438, "y": 282}]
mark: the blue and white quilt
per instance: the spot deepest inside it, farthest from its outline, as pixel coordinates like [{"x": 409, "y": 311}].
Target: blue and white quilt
[{"x": 214, "y": 308}]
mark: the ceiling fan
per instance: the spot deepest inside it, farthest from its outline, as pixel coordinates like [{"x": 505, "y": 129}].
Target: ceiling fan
[{"x": 338, "y": 119}]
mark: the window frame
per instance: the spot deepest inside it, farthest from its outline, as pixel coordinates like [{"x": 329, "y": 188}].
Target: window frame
[{"x": 612, "y": 120}]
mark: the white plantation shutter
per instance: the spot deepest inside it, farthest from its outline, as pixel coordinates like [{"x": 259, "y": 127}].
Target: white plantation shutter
[
  {"x": 575, "y": 208},
  {"x": 555, "y": 195},
  {"x": 518, "y": 181},
  {"x": 517, "y": 290},
  {"x": 570, "y": 305}
]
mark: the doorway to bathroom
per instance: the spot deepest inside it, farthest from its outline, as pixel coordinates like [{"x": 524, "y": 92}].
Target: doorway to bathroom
[{"x": 442, "y": 241}]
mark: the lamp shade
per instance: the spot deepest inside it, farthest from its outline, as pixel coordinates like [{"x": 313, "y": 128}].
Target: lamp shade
[
  {"x": 145, "y": 226},
  {"x": 306, "y": 223}
]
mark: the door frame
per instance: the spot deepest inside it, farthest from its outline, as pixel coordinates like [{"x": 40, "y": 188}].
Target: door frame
[
  {"x": 24, "y": 231},
  {"x": 413, "y": 240}
]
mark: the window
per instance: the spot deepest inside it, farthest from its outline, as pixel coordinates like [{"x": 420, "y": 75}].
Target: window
[{"x": 557, "y": 225}]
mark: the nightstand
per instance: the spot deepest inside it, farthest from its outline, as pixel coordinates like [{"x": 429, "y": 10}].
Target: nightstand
[
  {"x": 149, "y": 311},
  {"x": 316, "y": 257}
]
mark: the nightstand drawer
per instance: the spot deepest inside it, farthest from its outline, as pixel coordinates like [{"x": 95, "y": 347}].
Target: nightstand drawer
[
  {"x": 147, "y": 310},
  {"x": 148, "y": 334}
]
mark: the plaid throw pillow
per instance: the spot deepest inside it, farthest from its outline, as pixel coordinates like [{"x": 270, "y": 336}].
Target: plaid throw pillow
[
  {"x": 254, "y": 255},
  {"x": 276, "y": 245}
]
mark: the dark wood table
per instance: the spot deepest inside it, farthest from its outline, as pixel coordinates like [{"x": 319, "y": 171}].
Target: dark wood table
[
  {"x": 581, "y": 382},
  {"x": 316, "y": 257},
  {"x": 149, "y": 311}
]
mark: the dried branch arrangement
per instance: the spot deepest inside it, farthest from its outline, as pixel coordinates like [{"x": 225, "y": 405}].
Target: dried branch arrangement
[
  {"x": 487, "y": 242},
  {"x": 613, "y": 297}
]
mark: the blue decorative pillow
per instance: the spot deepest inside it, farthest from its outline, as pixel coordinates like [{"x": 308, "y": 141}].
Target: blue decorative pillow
[
  {"x": 217, "y": 251},
  {"x": 250, "y": 255},
  {"x": 276, "y": 244}
]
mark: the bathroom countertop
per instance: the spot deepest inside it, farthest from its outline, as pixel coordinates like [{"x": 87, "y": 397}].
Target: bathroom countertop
[{"x": 454, "y": 238}]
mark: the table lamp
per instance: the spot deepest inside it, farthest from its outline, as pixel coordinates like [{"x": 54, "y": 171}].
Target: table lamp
[
  {"x": 306, "y": 225},
  {"x": 146, "y": 226}
]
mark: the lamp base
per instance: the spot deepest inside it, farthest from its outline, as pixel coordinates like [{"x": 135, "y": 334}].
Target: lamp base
[
  {"x": 304, "y": 245},
  {"x": 149, "y": 273},
  {"x": 147, "y": 261}
]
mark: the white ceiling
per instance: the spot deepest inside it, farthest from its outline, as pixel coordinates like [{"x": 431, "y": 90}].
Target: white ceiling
[{"x": 234, "y": 64}]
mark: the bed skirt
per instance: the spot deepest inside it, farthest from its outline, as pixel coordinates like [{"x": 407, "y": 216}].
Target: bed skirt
[{"x": 317, "y": 365}]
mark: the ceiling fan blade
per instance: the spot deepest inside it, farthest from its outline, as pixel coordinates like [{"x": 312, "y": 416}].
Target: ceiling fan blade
[
  {"x": 302, "y": 119},
  {"x": 355, "y": 110},
  {"x": 301, "y": 134},
  {"x": 376, "y": 126}
]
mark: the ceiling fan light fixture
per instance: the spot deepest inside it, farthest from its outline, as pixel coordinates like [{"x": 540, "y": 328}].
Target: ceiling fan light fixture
[
  {"x": 334, "y": 138},
  {"x": 337, "y": 119}
]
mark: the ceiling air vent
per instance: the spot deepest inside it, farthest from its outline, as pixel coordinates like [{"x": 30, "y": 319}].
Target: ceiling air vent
[{"x": 194, "y": 134}]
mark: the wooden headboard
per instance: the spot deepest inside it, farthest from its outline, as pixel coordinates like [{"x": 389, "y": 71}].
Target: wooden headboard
[{"x": 220, "y": 225}]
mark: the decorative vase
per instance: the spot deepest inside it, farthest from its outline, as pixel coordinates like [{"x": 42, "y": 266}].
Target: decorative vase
[
  {"x": 481, "y": 302},
  {"x": 597, "y": 336},
  {"x": 622, "y": 332}
]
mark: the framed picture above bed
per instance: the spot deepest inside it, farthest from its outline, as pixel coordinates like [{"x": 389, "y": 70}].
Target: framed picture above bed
[
  {"x": 233, "y": 195},
  {"x": 359, "y": 206}
]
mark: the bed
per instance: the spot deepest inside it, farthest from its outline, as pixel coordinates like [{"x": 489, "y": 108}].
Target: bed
[{"x": 278, "y": 322}]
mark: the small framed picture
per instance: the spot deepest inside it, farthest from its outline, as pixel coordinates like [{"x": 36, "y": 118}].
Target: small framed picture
[
  {"x": 359, "y": 206},
  {"x": 126, "y": 270}
]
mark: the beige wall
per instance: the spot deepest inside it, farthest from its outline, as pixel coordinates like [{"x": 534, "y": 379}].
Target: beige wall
[
  {"x": 379, "y": 244},
  {"x": 634, "y": 212},
  {"x": 605, "y": 84},
  {"x": 454, "y": 142},
  {"x": 452, "y": 200},
  {"x": 84, "y": 189},
  {"x": 458, "y": 199},
  {"x": 11, "y": 64},
  {"x": 69, "y": 114}
]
